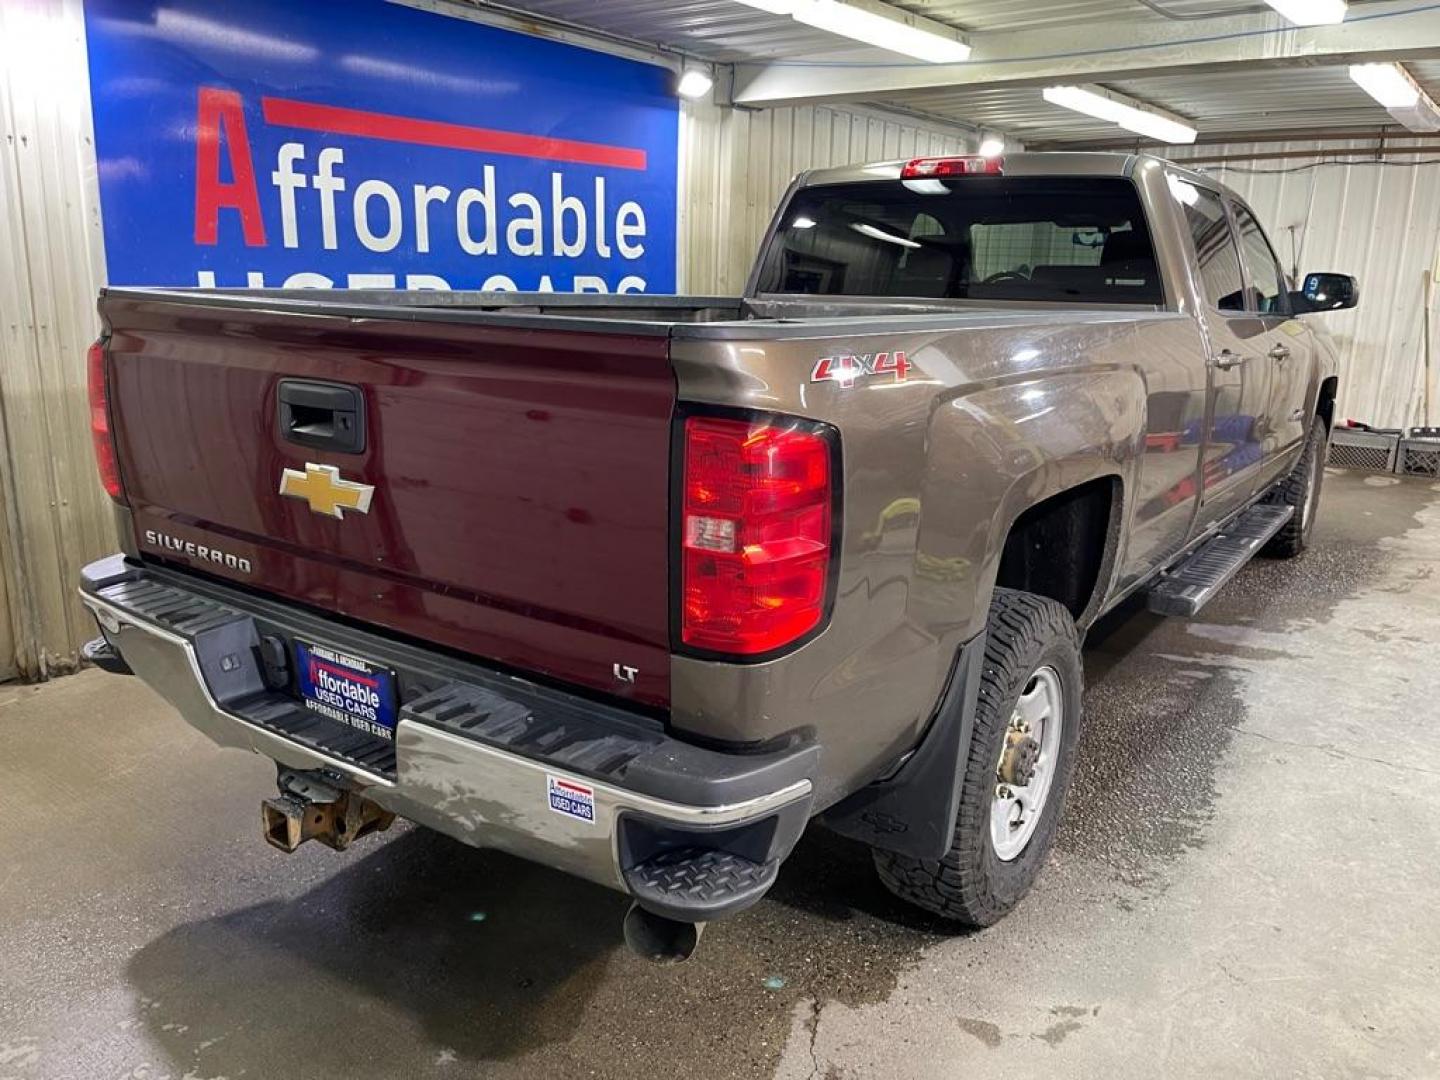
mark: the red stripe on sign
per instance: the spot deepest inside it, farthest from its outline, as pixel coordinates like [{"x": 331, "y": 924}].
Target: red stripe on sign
[
  {"x": 371, "y": 125},
  {"x": 572, "y": 787},
  {"x": 340, "y": 672}
]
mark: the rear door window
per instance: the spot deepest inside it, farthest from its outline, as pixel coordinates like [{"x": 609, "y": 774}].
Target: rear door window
[
  {"x": 1216, "y": 256},
  {"x": 1269, "y": 295},
  {"x": 1069, "y": 239}
]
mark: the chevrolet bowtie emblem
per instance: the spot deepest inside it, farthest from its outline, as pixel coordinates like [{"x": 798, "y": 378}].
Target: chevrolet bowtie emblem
[{"x": 322, "y": 488}]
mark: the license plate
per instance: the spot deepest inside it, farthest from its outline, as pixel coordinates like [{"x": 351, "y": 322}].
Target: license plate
[{"x": 347, "y": 688}]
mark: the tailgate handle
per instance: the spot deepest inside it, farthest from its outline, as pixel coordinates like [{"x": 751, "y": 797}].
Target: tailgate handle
[{"x": 325, "y": 415}]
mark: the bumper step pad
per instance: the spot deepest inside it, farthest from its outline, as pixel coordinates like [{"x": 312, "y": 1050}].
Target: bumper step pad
[
  {"x": 694, "y": 883},
  {"x": 1193, "y": 583},
  {"x": 579, "y": 736}
]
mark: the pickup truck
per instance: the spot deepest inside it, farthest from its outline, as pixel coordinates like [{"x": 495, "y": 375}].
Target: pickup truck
[{"x": 638, "y": 586}]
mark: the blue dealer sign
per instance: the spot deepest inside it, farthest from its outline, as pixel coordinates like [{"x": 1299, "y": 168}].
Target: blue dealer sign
[{"x": 357, "y": 143}]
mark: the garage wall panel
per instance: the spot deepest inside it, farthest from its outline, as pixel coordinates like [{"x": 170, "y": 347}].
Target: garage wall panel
[
  {"x": 737, "y": 163},
  {"x": 53, "y": 516},
  {"x": 1376, "y": 218}
]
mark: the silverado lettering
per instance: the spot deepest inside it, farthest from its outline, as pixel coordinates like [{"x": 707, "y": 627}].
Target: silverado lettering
[{"x": 197, "y": 551}]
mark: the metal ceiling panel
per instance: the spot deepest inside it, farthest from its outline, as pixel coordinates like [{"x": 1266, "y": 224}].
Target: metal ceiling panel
[
  {"x": 1267, "y": 99},
  {"x": 1238, "y": 102},
  {"x": 720, "y": 30},
  {"x": 726, "y": 30},
  {"x": 993, "y": 16}
]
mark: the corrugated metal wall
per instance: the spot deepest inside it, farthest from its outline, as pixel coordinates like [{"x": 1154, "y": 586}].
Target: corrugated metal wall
[
  {"x": 1378, "y": 219},
  {"x": 735, "y": 163},
  {"x": 53, "y": 516}
]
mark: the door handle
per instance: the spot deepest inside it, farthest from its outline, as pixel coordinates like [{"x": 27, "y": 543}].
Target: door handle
[
  {"x": 1226, "y": 360},
  {"x": 326, "y": 416},
  {"x": 1280, "y": 353}
]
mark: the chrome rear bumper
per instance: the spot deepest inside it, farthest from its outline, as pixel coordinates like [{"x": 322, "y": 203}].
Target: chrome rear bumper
[{"x": 483, "y": 795}]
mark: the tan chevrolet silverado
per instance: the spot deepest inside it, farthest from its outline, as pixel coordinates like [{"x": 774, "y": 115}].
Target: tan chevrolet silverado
[{"x": 638, "y": 587}]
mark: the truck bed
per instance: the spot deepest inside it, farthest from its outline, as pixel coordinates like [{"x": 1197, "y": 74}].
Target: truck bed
[{"x": 686, "y": 316}]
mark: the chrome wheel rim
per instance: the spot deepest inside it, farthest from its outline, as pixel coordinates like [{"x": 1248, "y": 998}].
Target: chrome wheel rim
[{"x": 1016, "y": 810}]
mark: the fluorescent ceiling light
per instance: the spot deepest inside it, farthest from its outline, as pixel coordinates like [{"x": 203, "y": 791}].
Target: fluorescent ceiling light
[
  {"x": 1386, "y": 83},
  {"x": 884, "y": 27},
  {"x": 1392, "y": 86},
  {"x": 1310, "y": 12},
  {"x": 1424, "y": 115},
  {"x": 1130, "y": 114},
  {"x": 803, "y": 222},
  {"x": 694, "y": 83},
  {"x": 992, "y": 146}
]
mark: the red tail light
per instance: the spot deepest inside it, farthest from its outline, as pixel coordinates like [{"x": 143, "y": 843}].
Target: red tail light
[
  {"x": 95, "y": 363},
  {"x": 924, "y": 168},
  {"x": 756, "y": 543}
]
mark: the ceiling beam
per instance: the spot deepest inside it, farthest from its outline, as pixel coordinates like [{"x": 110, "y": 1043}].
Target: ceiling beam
[
  {"x": 1138, "y": 143},
  {"x": 1324, "y": 157},
  {"x": 1402, "y": 29}
]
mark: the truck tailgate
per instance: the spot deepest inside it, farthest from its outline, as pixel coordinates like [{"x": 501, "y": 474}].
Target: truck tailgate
[{"x": 520, "y": 475}]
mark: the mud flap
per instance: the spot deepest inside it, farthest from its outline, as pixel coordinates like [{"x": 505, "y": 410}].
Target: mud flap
[{"x": 913, "y": 811}]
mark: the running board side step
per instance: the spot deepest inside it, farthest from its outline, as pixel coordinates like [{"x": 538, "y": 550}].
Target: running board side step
[{"x": 1191, "y": 584}]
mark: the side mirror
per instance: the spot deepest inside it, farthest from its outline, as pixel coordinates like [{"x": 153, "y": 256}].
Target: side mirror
[{"x": 1325, "y": 292}]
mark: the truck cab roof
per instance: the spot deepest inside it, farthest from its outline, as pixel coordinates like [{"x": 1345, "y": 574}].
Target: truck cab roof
[{"x": 1023, "y": 163}]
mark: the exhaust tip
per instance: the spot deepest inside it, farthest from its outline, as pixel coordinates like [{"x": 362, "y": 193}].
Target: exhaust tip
[{"x": 658, "y": 939}]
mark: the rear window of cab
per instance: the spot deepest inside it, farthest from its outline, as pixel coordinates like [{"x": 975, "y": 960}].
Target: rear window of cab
[{"x": 1068, "y": 239}]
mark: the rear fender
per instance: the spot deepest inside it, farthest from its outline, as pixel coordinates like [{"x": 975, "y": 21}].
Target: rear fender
[{"x": 996, "y": 452}]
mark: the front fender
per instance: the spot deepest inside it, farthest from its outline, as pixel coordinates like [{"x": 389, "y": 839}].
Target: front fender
[{"x": 999, "y": 450}]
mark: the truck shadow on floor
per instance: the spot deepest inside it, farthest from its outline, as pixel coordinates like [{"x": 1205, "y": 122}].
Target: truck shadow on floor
[
  {"x": 493, "y": 958},
  {"x": 488, "y": 954}
]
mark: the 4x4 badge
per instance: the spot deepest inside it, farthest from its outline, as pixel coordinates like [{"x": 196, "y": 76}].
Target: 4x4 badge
[
  {"x": 847, "y": 368},
  {"x": 322, "y": 487}
]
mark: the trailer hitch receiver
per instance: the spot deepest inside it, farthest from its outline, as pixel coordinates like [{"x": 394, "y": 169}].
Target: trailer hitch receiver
[{"x": 309, "y": 808}]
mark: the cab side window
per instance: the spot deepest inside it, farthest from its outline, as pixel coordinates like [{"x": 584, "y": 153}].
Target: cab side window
[
  {"x": 1269, "y": 295},
  {"x": 1215, "y": 253}
]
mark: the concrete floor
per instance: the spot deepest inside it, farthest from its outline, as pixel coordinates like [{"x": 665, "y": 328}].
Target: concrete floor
[{"x": 1246, "y": 885}]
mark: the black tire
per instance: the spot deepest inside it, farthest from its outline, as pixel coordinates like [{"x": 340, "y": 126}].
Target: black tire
[
  {"x": 970, "y": 883},
  {"x": 1296, "y": 490}
]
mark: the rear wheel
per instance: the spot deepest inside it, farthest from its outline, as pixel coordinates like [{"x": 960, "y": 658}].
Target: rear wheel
[
  {"x": 1017, "y": 772},
  {"x": 1301, "y": 489}
]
